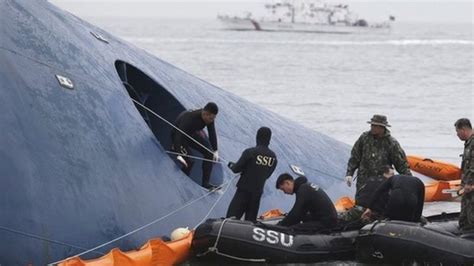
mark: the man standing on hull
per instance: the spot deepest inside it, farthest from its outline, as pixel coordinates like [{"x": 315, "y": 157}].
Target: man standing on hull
[
  {"x": 256, "y": 165},
  {"x": 466, "y": 217},
  {"x": 373, "y": 150},
  {"x": 192, "y": 123}
]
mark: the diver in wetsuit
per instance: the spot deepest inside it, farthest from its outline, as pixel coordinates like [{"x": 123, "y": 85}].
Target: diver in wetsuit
[
  {"x": 312, "y": 205},
  {"x": 405, "y": 200},
  {"x": 193, "y": 123},
  {"x": 256, "y": 165}
]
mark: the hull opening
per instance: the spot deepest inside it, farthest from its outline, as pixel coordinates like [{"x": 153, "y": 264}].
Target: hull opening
[{"x": 146, "y": 91}]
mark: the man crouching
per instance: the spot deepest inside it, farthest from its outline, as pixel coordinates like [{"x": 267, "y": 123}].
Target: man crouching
[{"x": 312, "y": 211}]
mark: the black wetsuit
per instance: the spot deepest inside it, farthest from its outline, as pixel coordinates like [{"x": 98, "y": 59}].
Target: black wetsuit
[
  {"x": 191, "y": 123},
  {"x": 312, "y": 206},
  {"x": 406, "y": 198},
  {"x": 367, "y": 191},
  {"x": 256, "y": 165}
]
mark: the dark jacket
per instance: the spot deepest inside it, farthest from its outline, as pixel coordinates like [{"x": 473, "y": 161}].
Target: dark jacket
[
  {"x": 311, "y": 202},
  {"x": 256, "y": 164},
  {"x": 406, "y": 185},
  {"x": 191, "y": 122},
  {"x": 366, "y": 193}
]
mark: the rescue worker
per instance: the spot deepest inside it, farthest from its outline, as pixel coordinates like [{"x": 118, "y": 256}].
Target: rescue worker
[
  {"x": 256, "y": 165},
  {"x": 406, "y": 196},
  {"x": 192, "y": 123},
  {"x": 313, "y": 210},
  {"x": 464, "y": 132},
  {"x": 373, "y": 150}
]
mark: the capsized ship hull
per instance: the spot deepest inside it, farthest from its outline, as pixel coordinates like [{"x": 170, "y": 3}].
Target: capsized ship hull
[{"x": 82, "y": 166}]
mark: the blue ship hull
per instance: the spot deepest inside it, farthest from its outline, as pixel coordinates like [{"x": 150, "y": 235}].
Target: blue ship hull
[{"x": 82, "y": 166}]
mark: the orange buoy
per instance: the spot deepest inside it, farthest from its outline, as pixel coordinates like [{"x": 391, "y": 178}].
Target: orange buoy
[
  {"x": 435, "y": 169},
  {"x": 271, "y": 214},
  {"x": 343, "y": 204},
  {"x": 154, "y": 252}
]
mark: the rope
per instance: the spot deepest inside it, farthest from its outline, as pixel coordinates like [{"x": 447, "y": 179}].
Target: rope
[
  {"x": 216, "y": 250},
  {"x": 45, "y": 239},
  {"x": 193, "y": 157},
  {"x": 175, "y": 127},
  {"x": 217, "y": 201},
  {"x": 142, "y": 227}
]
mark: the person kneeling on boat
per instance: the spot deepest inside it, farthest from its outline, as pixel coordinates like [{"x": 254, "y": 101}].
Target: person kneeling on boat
[
  {"x": 313, "y": 209},
  {"x": 256, "y": 165},
  {"x": 405, "y": 200},
  {"x": 366, "y": 192}
]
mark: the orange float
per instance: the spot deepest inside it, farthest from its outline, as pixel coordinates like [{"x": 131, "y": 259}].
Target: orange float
[
  {"x": 435, "y": 169},
  {"x": 154, "y": 252},
  {"x": 343, "y": 204},
  {"x": 273, "y": 213},
  {"x": 434, "y": 191}
]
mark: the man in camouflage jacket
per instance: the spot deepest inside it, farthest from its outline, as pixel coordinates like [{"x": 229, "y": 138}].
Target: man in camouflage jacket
[
  {"x": 464, "y": 131},
  {"x": 373, "y": 150}
]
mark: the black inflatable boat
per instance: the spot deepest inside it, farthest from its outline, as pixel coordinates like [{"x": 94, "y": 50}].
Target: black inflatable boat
[
  {"x": 258, "y": 242},
  {"x": 405, "y": 242}
]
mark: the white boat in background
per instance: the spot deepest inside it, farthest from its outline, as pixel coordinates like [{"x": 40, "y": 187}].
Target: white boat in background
[
  {"x": 305, "y": 16},
  {"x": 239, "y": 23}
]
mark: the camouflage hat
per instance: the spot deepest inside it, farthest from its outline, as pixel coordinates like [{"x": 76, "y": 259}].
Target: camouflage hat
[{"x": 379, "y": 120}]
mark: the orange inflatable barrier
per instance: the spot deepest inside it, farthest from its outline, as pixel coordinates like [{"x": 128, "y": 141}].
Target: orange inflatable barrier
[
  {"x": 154, "y": 252},
  {"x": 435, "y": 169}
]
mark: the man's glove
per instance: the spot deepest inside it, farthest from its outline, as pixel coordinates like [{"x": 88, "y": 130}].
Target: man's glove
[
  {"x": 349, "y": 180},
  {"x": 215, "y": 156},
  {"x": 182, "y": 161},
  {"x": 183, "y": 150},
  {"x": 230, "y": 165}
]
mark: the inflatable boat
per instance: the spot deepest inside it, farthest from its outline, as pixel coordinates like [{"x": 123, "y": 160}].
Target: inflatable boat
[
  {"x": 435, "y": 169},
  {"x": 436, "y": 191},
  {"x": 404, "y": 242},
  {"x": 262, "y": 242}
]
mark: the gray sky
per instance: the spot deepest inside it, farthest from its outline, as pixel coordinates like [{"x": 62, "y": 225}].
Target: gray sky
[{"x": 408, "y": 11}]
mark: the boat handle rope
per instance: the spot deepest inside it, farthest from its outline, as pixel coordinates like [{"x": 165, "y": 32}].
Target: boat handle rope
[
  {"x": 175, "y": 127},
  {"x": 189, "y": 203},
  {"x": 216, "y": 250}
]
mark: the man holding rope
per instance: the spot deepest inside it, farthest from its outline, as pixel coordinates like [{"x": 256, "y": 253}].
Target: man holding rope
[
  {"x": 192, "y": 124},
  {"x": 256, "y": 165}
]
